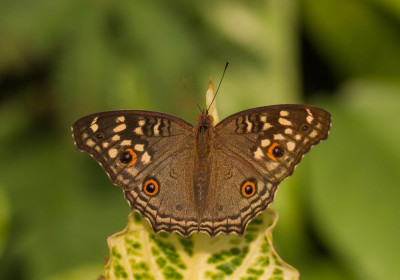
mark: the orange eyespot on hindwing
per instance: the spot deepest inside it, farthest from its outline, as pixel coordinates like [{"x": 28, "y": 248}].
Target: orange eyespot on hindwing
[
  {"x": 150, "y": 187},
  {"x": 275, "y": 151},
  {"x": 128, "y": 157},
  {"x": 248, "y": 189}
]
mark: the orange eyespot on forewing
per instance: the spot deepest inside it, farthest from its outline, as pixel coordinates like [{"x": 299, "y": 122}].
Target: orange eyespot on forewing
[
  {"x": 275, "y": 151},
  {"x": 128, "y": 157},
  {"x": 150, "y": 187},
  {"x": 248, "y": 189}
]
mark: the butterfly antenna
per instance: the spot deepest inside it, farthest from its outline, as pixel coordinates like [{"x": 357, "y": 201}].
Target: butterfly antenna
[
  {"x": 220, "y": 81},
  {"x": 190, "y": 94}
]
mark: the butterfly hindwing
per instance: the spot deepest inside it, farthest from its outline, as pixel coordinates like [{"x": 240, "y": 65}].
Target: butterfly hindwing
[
  {"x": 230, "y": 206},
  {"x": 172, "y": 207}
]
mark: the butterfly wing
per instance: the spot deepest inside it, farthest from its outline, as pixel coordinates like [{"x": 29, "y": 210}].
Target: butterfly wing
[
  {"x": 254, "y": 150},
  {"x": 150, "y": 156}
]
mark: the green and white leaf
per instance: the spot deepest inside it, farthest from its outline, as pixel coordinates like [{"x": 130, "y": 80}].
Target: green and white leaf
[{"x": 138, "y": 253}]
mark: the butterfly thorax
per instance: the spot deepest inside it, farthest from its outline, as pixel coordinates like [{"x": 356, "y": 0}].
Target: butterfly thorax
[{"x": 204, "y": 132}]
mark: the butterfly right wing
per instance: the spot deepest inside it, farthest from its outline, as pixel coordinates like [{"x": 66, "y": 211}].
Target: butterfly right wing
[
  {"x": 254, "y": 150},
  {"x": 150, "y": 156}
]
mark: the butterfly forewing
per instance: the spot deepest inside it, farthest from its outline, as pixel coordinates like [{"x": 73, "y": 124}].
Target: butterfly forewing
[
  {"x": 273, "y": 139},
  {"x": 128, "y": 144}
]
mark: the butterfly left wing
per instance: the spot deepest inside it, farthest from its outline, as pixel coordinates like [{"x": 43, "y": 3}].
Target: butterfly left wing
[
  {"x": 150, "y": 156},
  {"x": 254, "y": 150}
]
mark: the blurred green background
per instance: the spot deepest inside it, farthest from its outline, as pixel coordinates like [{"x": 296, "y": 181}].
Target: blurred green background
[{"x": 60, "y": 60}]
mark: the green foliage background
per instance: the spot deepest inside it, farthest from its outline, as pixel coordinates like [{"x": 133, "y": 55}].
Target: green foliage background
[{"x": 61, "y": 60}]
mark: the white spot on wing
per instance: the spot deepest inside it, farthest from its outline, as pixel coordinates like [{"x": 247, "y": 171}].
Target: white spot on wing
[
  {"x": 105, "y": 144},
  {"x": 258, "y": 154},
  {"x": 120, "y": 128},
  {"x": 279, "y": 137},
  {"x": 156, "y": 131},
  {"x": 120, "y": 119},
  {"x": 112, "y": 153},
  {"x": 126, "y": 143},
  {"x": 138, "y": 131},
  {"x": 284, "y": 113},
  {"x": 313, "y": 133},
  {"x": 310, "y": 117},
  {"x": 265, "y": 142},
  {"x": 90, "y": 143},
  {"x": 146, "y": 158},
  {"x": 139, "y": 147},
  {"x": 94, "y": 127},
  {"x": 249, "y": 124},
  {"x": 266, "y": 126},
  {"x": 288, "y": 131},
  {"x": 291, "y": 145},
  {"x": 284, "y": 121},
  {"x": 115, "y": 137},
  {"x": 94, "y": 121}
]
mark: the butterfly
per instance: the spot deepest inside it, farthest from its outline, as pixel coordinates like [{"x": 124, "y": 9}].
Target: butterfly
[{"x": 206, "y": 178}]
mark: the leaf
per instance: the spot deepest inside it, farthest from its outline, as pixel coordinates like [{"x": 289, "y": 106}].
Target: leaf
[{"x": 138, "y": 253}]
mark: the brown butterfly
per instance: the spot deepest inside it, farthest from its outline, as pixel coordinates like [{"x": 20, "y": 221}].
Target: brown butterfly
[{"x": 205, "y": 178}]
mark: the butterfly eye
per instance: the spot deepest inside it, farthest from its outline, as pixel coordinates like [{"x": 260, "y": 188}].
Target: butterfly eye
[
  {"x": 150, "y": 187},
  {"x": 275, "y": 151},
  {"x": 248, "y": 189},
  {"x": 128, "y": 157}
]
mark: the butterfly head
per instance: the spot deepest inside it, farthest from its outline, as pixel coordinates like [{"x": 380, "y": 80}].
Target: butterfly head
[{"x": 204, "y": 121}]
